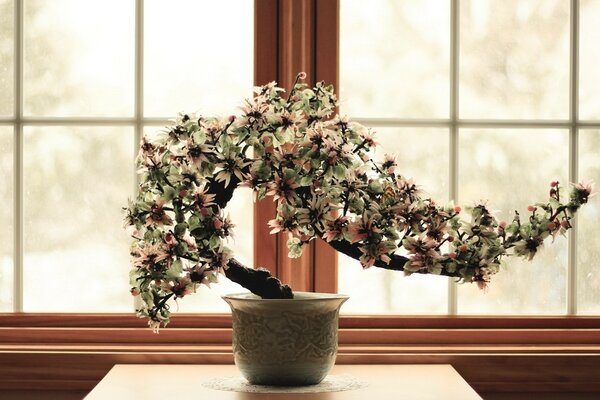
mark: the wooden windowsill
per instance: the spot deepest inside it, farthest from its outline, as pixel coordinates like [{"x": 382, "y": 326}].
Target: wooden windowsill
[{"x": 46, "y": 351}]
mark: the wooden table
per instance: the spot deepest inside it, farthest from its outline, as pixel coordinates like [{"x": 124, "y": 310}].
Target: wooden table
[{"x": 395, "y": 382}]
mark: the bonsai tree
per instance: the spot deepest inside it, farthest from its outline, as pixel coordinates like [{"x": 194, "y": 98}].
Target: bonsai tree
[{"x": 318, "y": 168}]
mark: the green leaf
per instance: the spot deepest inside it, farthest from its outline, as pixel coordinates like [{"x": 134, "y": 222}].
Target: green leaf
[
  {"x": 180, "y": 229},
  {"x": 199, "y": 137},
  {"x": 261, "y": 192},
  {"x": 262, "y": 170},
  {"x": 169, "y": 193},
  {"x": 147, "y": 298},
  {"x": 198, "y": 232},
  {"x": 339, "y": 171},
  {"x": 306, "y": 180},
  {"x": 193, "y": 222},
  {"x": 375, "y": 187},
  {"x": 214, "y": 242},
  {"x": 175, "y": 270},
  {"x": 181, "y": 248}
]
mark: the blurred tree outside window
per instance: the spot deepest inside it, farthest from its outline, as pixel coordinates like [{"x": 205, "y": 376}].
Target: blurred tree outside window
[
  {"x": 78, "y": 126},
  {"x": 505, "y": 121},
  {"x": 504, "y": 124}
]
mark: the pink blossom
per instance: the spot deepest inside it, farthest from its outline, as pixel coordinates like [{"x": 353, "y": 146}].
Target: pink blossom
[
  {"x": 334, "y": 229},
  {"x": 389, "y": 163},
  {"x": 202, "y": 198},
  {"x": 157, "y": 215},
  {"x": 149, "y": 256},
  {"x": 283, "y": 189}
]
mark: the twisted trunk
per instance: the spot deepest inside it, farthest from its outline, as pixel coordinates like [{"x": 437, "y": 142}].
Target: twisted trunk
[{"x": 260, "y": 281}]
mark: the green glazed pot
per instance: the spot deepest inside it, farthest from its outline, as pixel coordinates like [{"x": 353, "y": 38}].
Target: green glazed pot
[{"x": 285, "y": 342}]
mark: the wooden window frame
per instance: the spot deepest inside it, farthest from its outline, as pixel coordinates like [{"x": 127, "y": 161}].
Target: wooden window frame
[{"x": 518, "y": 354}]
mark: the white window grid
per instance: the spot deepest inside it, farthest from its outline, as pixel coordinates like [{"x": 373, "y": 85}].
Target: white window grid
[
  {"x": 454, "y": 123},
  {"x": 18, "y": 121}
]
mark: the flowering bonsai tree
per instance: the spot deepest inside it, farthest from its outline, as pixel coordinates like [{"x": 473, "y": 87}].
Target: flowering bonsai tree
[{"x": 318, "y": 168}]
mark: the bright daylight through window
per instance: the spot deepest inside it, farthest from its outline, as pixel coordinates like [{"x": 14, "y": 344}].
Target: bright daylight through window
[
  {"x": 478, "y": 98},
  {"x": 76, "y": 92}
]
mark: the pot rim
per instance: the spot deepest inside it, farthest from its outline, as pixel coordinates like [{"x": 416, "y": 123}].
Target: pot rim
[{"x": 310, "y": 296}]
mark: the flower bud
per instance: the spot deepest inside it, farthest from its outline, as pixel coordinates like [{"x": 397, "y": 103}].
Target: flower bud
[
  {"x": 531, "y": 208},
  {"x": 457, "y": 209},
  {"x": 554, "y": 184}
]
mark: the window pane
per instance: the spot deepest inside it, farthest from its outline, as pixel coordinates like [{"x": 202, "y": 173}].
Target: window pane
[
  {"x": 240, "y": 210},
  {"x": 589, "y": 53},
  {"x": 512, "y": 169},
  {"x": 7, "y": 49},
  {"x": 76, "y": 181},
  {"x": 78, "y": 58},
  {"x": 395, "y": 293},
  {"x": 514, "y": 59},
  {"x": 588, "y": 240},
  {"x": 6, "y": 234},
  {"x": 394, "y": 58},
  {"x": 198, "y": 56}
]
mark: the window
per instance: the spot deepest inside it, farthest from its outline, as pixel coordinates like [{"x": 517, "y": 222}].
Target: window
[
  {"x": 482, "y": 100},
  {"x": 444, "y": 79},
  {"x": 52, "y": 122},
  {"x": 81, "y": 81}
]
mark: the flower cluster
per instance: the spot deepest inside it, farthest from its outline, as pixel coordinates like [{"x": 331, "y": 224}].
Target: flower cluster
[{"x": 319, "y": 170}]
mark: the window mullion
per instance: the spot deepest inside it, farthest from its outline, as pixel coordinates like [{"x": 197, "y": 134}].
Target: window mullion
[
  {"x": 138, "y": 100},
  {"x": 573, "y": 150},
  {"x": 472, "y": 123},
  {"x": 18, "y": 159},
  {"x": 139, "y": 82},
  {"x": 453, "y": 157}
]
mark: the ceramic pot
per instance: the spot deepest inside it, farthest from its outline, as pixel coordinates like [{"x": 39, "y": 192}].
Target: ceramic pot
[{"x": 285, "y": 342}]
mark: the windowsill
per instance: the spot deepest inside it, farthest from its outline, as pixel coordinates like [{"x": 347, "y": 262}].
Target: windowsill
[{"x": 58, "y": 351}]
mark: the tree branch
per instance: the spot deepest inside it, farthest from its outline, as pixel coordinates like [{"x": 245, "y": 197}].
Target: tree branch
[
  {"x": 258, "y": 281},
  {"x": 396, "y": 263}
]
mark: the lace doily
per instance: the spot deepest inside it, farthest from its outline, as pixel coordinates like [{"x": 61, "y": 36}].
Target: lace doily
[{"x": 331, "y": 383}]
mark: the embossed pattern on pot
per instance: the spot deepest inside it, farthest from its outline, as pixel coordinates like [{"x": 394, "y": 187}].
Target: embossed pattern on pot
[{"x": 285, "y": 342}]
